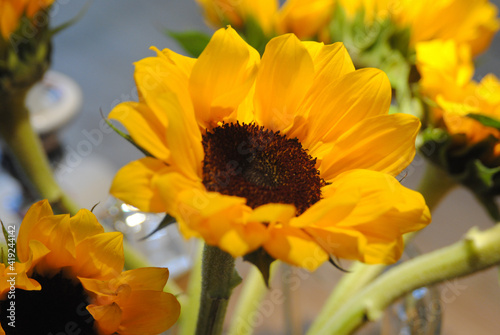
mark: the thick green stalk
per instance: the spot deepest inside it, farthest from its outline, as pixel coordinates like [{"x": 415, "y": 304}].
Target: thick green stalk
[
  {"x": 434, "y": 186},
  {"x": 477, "y": 251},
  {"x": 27, "y": 150},
  {"x": 218, "y": 280}
]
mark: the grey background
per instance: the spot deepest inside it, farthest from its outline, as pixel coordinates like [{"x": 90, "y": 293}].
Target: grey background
[{"x": 98, "y": 53}]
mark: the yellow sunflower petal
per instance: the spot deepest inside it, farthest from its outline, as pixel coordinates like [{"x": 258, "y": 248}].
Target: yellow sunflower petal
[
  {"x": 107, "y": 318},
  {"x": 134, "y": 184},
  {"x": 145, "y": 278},
  {"x": 143, "y": 127},
  {"x": 294, "y": 246},
  {"x": 341, "y": 105},
  {"x": 271, "y": 213},
  {"x": 100, "y": 256},
  {"x": 84, "y": 224},
  {"x": 29, "y": 223},
  {"x": 385, "y": 211},
  {"x": 383, "y": 143},
  {"x": 148, "y": 313},
  {"x": 285, "y": 76},
  {"x": 220, "y": 220},
  {"x": 222, "y": 76},
  {"x": 305, "y": 18}
]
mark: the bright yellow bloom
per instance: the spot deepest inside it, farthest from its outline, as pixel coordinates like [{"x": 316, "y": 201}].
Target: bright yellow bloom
[
  {"x": 307, "y": 19},
  {"x": 446, "y": 71},
  {"x": 221, "y": 12},
  {"x": 373, "y": 9},
  {"x": 294, "y": 153},
  {"x": 69, "y": 279},
  {"x": 11, "y": 12}
]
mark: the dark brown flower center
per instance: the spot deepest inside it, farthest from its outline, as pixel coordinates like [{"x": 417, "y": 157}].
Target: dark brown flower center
[
  {"x": 260, "y": 165},
  {"x": 58, "y": 308}
]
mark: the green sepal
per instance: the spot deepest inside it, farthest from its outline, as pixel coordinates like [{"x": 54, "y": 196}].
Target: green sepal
[
  {"x": 165, "y": 222},
  {"x": 262, "y": 260},
  {"x": 193, "y": 42},
  {"x": 464, "y": 164},
  {"x": 126, "y": 136},
  {"x": 235, "y": 280},
  {"x": 485, "y": 120},
  {"x": 72, "y": 21},
  {"x": 6, "y": 236}
]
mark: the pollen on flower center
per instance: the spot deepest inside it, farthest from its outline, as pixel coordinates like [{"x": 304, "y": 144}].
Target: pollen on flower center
[
  {"x": 260, "y": 165},
  {"x": 58, "y": 308}
]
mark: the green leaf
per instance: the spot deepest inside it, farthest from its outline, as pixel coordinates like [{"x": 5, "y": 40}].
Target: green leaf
[
  {"x": 262, "y": 260},
  {"x": 254, "y": 35},
  {"x": 193, "y": 42},
  {"x": 72, "y": 21},
  {"x": 165, "y": 222},
  {"x": 485, "y": 120}
]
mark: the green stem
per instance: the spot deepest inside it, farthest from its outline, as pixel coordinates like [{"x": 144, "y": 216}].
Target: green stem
[
  {"x": 477, "y": 251},
  {"x": 25, "y": 146},
  {"x": 249, "y": 300},
  {"x": 218, "y": 280},
  {"x": 189, "y": 312},
  {"x": 434, "y": 186}
]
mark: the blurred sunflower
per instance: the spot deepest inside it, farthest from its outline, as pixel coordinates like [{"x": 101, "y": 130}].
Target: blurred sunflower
[
  {"x": 446, "y": 71},
  {"x": 12, "y": 11},
  {"x": 294, "y": 154},
  {"x": 68, "y": 278},
  {"x": 219, "y": 13}
]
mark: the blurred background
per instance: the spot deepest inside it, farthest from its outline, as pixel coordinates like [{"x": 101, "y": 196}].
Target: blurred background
[{"x": 98, "y": 53}]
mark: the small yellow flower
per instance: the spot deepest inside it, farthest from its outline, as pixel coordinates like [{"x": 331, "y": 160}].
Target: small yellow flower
[
  {"x": 294, "y": 153},
  {"x": 446, "y": 71},
  {"x": 68, "y": 278},
  {"x": 218, "y": 13},
  {"x": 11, "y": 12}
]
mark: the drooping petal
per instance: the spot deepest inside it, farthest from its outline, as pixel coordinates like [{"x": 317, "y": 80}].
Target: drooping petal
[
  {"x": 84, "y": 224},
  {"x": 134, "y": 184},
  {"x": 144, "y": 128},
  {"x": 382, "y": 143},
  {"x": 144, "y": 278},
  {"x": 222, "y": 76},
  {"x": 294, "y": 246},
  {"x": 148, "y": 313},
  {"x": 285, "y": 76}
]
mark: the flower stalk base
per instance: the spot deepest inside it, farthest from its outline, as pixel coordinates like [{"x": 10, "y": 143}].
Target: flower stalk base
[{"x": 218, "y": 280}]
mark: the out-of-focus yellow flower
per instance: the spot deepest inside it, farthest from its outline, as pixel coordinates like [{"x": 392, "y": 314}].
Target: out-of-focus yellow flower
[
  {"x": 11, "y": 12},
  {"x": 68, "y": 277},
  {"x": 294, "y": 153},
  {"x": 466, "y": 22},
  {"x": 446, "y": 71},
  {"x": 373, "y": 9},
  {"x": 307, "y": 19},
  {"x": 237, "y": 12}
]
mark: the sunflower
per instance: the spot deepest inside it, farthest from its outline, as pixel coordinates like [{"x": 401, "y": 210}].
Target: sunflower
[
  {"x": 12, "y": 11},
  {"x": 446, "y": 71},
  {"x": 237, "y": 13},
  {"x": 293, "y": 154},
  {"x": 67, "y": 278},
  {"x": 306, "y": 19}
]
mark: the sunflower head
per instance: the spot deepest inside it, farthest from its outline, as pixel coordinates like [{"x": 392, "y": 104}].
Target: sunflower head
[
  {"x": 69, "y": 267},
  {"x": 292, "y": 156},
  {"x": 463, "y": 131},
  {"x": 24, "y": 43}
]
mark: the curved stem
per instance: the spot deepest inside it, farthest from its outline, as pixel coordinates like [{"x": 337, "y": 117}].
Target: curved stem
[
  {"x": 434, "y": 186},
  {"x": 477, "y": 251},
  {"x": 27, "y": 150},
  {"x": 218, "y": 280}
]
